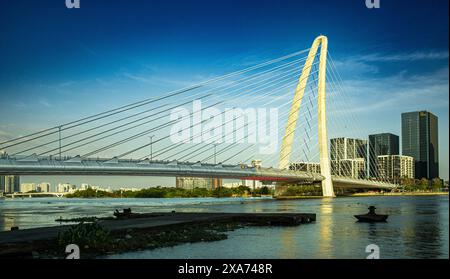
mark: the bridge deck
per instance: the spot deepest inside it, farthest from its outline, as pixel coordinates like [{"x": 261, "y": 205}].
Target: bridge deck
[{"x": 86, "y": 166}]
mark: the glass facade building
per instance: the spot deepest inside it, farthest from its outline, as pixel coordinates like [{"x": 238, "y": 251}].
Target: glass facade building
[
  {"x": 420, "y": 141},
  {"x": 379, "y": 145}
]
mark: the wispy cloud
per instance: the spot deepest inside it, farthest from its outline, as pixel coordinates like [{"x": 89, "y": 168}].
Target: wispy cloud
[
  {"x": 66, "y": 83},
  {"x": 21, "y": 105},
  {"x": 45, "y": 103},
  {"x": 370, "y": 63},
  {"x": 64, "y": 87},
  {"x": 158, "y": 80},
  {"x": 412, "y": 56},
  {"x": 428, "y": 91},
  {"x": 370, "y": 90},
  {"x": 88, "y": 50}
]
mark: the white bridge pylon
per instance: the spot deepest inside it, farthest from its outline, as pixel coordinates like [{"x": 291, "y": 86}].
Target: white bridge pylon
[{"x": 286, "y": 148}]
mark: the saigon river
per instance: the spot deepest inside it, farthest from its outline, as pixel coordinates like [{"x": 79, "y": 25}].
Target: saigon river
[{"x": 417, "y": 226}]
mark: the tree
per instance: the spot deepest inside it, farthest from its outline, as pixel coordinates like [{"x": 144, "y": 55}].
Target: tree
[
  {"x": 264, "y": 190},
  {"x": 423, "y": 184},
  {"x": 436, "y": 184},
  {"x": 408, "y": 184}
]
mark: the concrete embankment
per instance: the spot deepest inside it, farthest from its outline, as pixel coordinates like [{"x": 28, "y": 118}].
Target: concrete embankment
[
  {"x": 400, "y": 194},
  {"x": 12, "y": 242}
]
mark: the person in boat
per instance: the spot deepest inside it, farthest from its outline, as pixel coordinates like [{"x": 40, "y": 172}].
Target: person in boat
[
  {"x": 371, "y": 216},
  {"x": 372, "y": 210}
]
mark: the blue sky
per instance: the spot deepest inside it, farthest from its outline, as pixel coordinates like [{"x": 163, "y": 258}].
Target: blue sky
[{"x": 58, "y": 64}]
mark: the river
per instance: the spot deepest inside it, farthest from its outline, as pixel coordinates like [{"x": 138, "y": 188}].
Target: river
[{"x": 417, "y": 226}]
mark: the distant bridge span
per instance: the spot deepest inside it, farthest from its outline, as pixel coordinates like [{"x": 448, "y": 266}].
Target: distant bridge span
[{"x": 41, "y": 194}]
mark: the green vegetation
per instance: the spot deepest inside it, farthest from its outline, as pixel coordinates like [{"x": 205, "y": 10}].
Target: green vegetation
[
  {"x": 302, "y": 190},
  {"x": 407, "y": 185},
  {"x": 82, "y": 219},
  {"x": 91, "y": 193},
  {"x": 185, "y": 234},
  {"x": 423, "y": 185},
  {"x": 171, "y": 192},
  {"x": 94, "y": 240},
  {"x": 85, "y": 235}
]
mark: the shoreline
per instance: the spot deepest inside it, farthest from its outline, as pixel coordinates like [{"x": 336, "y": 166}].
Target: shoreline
[
  {"x": 364, "y": 195},
  {"x": 249, "y": 197},
  {"x": 400, "y": 194},
  {"x": 145, "y": 231},
  {"x": 266, "y": 197}
]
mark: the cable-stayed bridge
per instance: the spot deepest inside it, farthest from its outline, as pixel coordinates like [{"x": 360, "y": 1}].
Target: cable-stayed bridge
[{"x": 215, "y": 129}]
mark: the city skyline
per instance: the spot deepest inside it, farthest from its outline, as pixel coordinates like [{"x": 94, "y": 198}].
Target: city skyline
[{"x": 393, "y": 149}]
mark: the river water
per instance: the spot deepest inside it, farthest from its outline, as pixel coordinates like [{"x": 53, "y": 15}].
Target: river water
[{"x": 417, "y": 226}]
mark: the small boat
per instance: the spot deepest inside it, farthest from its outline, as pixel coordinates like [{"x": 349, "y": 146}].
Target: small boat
[
  {"x": 127, "y": 214},
  {"x": 371, "y": 216}
]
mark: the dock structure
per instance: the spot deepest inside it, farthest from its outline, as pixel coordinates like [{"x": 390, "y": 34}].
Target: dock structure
[{"x": 161, "y": 221}]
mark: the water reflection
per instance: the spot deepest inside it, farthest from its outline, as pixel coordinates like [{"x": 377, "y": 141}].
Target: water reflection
[
  {"x": 424, "y": 226},
  {"x": 325, "y": 222},
  {"x": 289, "y": 245}
]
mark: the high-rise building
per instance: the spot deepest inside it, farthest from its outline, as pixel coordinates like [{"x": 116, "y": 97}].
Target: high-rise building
[
  {"x": 27, "y": 187},
  {"x": 10, "y": 183},
  {"x": 254, "y": 184},
  {"x": 65, "y": 188},
  {"x": 381, "y": 144},
  {"x": 348, "y": 148},
  {"x": 354, "y": 168},
  {"x": 2, "y": 184},
  {"x": 44, "y": 187},
  {"x": 305, "y": 166},
  {"x": 396, "y": 167},
  {"x": 2, "y": 177},
  {"x": 84, "y": 186},
  {"x": 198, "y": 182},
  {"x": 420, "y": 141},
  {"x": 348, "y": 157}
]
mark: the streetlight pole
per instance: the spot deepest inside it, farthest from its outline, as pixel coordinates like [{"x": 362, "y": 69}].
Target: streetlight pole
[
  {"x": 215, "y": 153},
  {"x": 151, "y": 147},
  {"x": 59, "y": 140}
]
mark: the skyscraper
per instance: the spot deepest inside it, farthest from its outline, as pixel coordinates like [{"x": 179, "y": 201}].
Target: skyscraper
[
  {"x": 10, "y": 183},
  {"x": 2, "y": 183},
  {"x": 348, "y": 157},
  {"x": 348, "y": 148},
  {"x": 420, "y": 141},
  {"x": 379, "y": 145},
  {"x": 395, "y": 167},
  {"x": 191, "y": 183}
]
